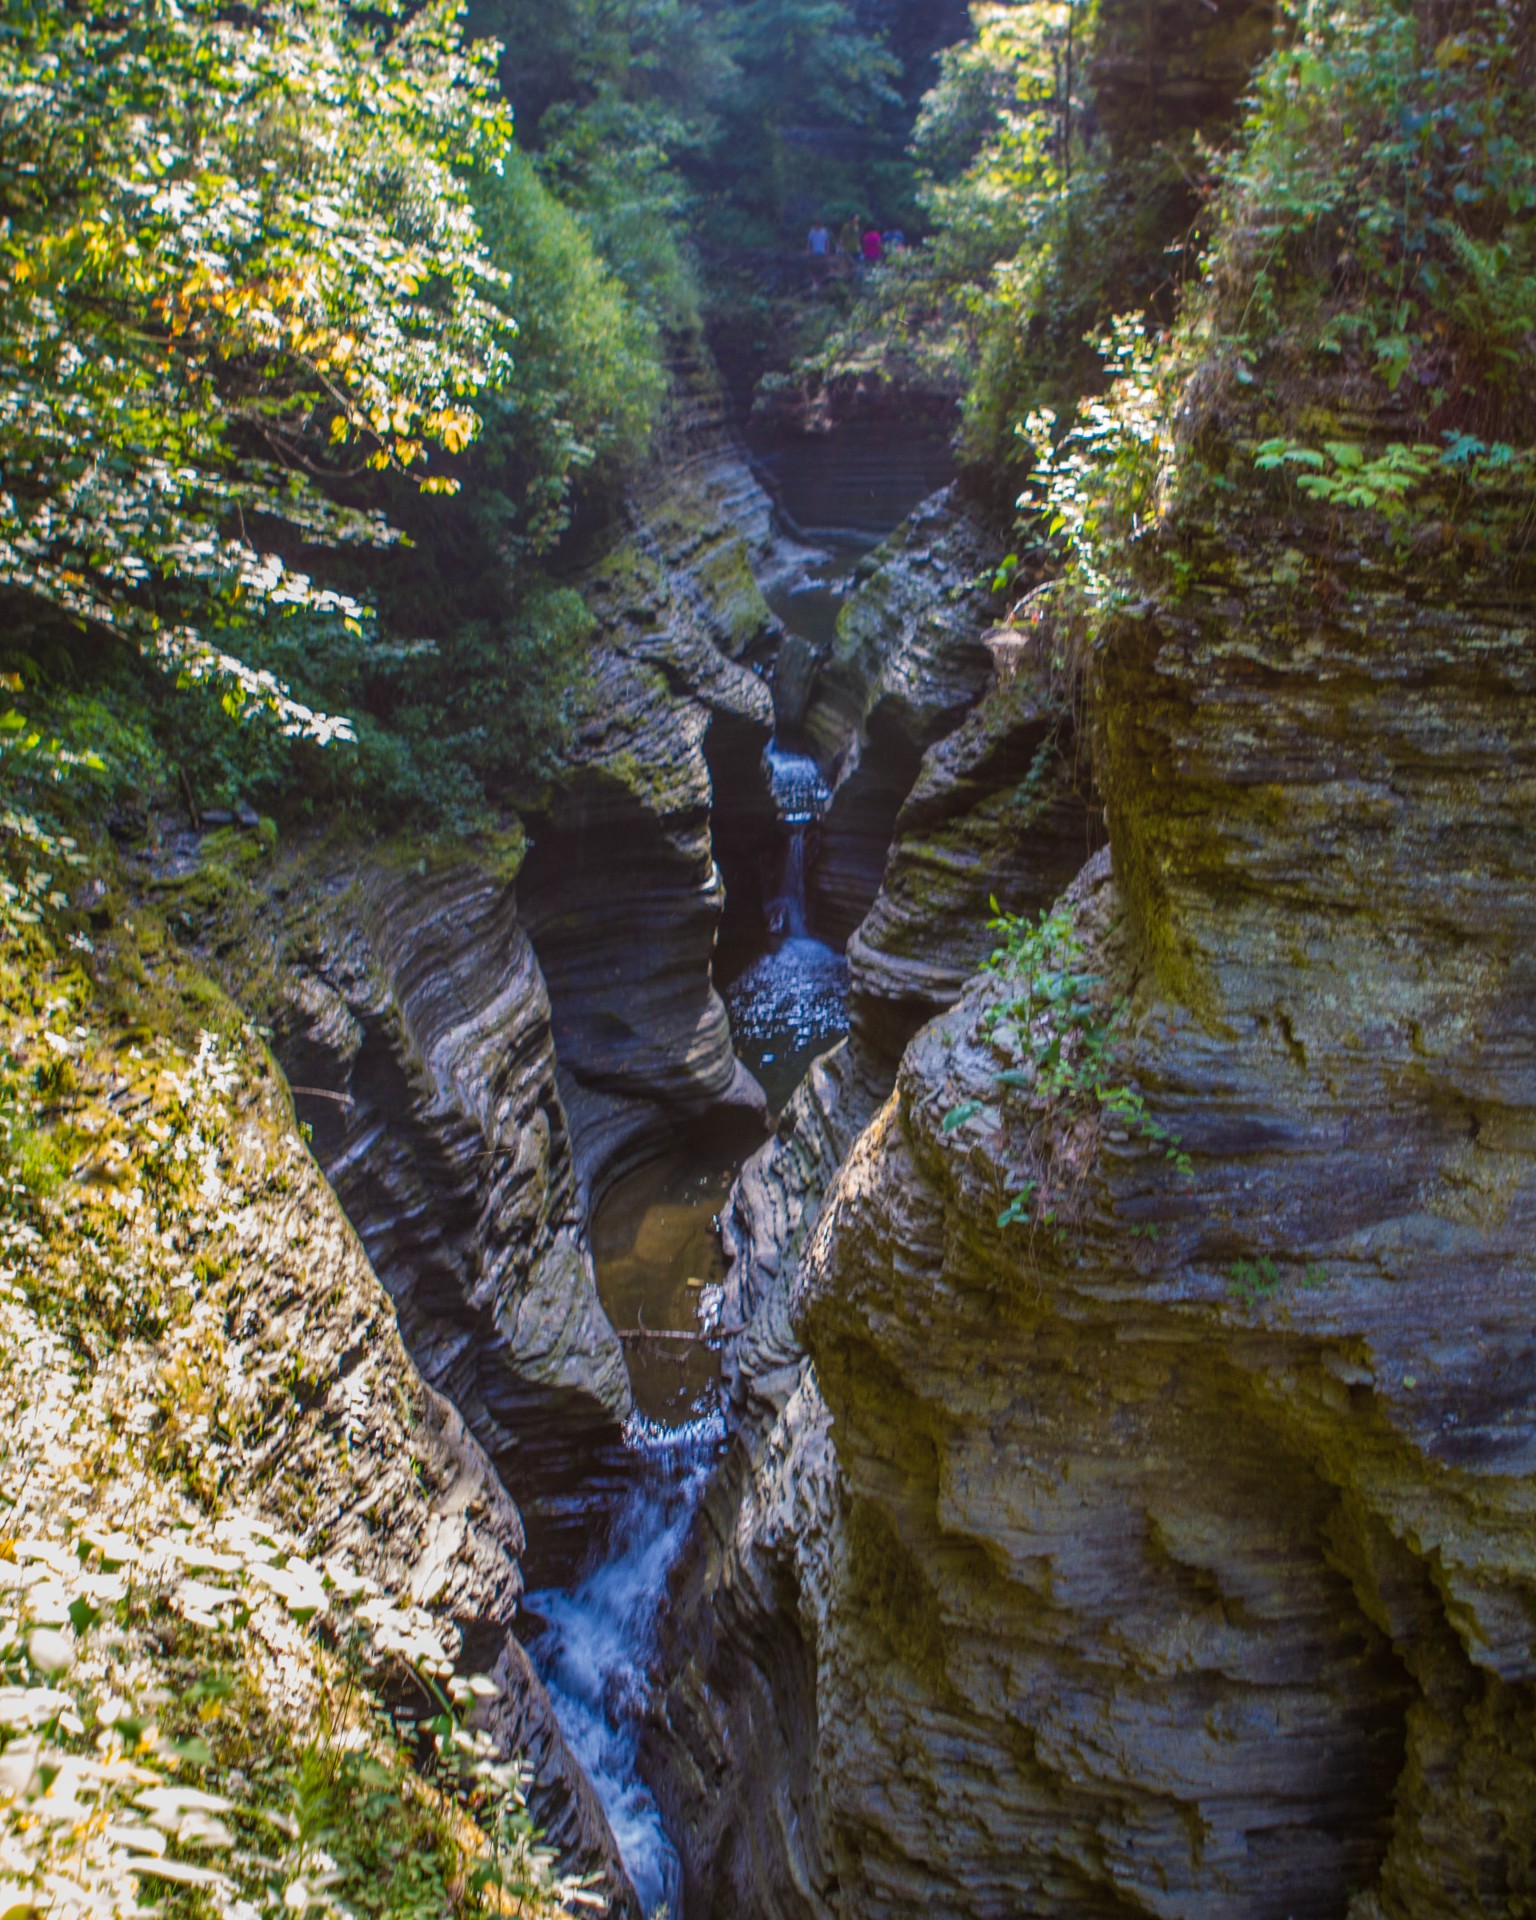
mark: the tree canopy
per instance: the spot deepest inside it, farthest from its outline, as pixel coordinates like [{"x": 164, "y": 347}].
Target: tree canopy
[{"x": 239, "y": 263}]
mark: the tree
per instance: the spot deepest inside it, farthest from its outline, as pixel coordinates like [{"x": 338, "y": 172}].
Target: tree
[{"x": 239, "y": 266}]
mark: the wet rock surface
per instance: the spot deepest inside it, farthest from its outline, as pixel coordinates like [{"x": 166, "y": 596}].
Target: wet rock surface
[
  {"x": 622, "y": 891},
  {"x": 412, "y": 1496},
  {"x": 736, "y": 1652},
  {"x": 415, "y": 1008},
  {"x": 906, "y": 666}
]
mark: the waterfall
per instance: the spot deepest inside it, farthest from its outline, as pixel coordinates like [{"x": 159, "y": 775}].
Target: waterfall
[
  {"x": 786, "y": 904},
  {"x": 801, "y": 796},
  {"x": 799, "y": 792},
  {"x": 594, "y": 1642},
  {"x": 596, "y": 1645}
]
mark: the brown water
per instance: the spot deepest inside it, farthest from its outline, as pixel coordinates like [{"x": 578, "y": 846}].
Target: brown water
[{"x": 659, "y": 1266}]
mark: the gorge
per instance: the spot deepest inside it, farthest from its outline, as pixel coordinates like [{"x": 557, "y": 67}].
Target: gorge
[{"x": 882, "y": 1265}]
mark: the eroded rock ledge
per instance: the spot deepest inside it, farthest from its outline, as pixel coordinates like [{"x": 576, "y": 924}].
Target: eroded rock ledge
[
  {"x": 908, "y": 664},
  {"x": 411, "y": 1001},
  {"x": 622, "y": 892},
  {"x": 1181, "y": 1560}
]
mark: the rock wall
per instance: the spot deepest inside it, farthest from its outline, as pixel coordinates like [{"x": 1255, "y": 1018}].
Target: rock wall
[
  {"x": 1185, "y": 1563},
  {"x": 623, "y": 890},
  {"x": 1002, "y": 814},
  {"x": 908, "y": 664},
  {"x": 736, "y": 1652},
  {"x": 377, "y": 1464},
  {"x": 1174, "y": 1554},
  {"x": 413, "y": 1022}
]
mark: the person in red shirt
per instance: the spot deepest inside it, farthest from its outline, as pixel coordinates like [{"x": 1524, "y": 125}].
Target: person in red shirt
[{"x": 873, "y": 247}]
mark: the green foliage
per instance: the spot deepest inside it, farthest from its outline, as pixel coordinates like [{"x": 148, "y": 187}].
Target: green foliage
[
  {"x": 1253, "y": 1282},
  {"x": 1059, "y": 1035},
  {"x": 588, "y": 379},
  {"x": 201, "y": 1789},
  {"x": 239, "y": 261},
  {"x": 811, "y": 123},
  {"x": 1390, "y": 158},
  {"x": 198, "y": 1712},
  {"x": 1040, "y": 232},
  {"x": 737, "y": 120},
  {"x": 611, "y": 96},
  {"x": 1099, "y": 486},
  {"x": 35, "y": 852},
  {"x": 1343, "y": 473},
  {"x": 275, "y": 266}
]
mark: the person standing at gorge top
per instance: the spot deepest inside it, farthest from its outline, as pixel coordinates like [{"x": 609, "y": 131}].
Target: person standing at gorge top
[
  {"x": 873, "y": 247},
  {"x": 818, "y": 244}
]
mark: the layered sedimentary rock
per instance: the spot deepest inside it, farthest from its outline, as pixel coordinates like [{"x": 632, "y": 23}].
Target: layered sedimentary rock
[
  {"x": 1170, "y": 1548},
  {"x": 364, "y": 1457},
  {"x": 735, "y": 1647},
  {"x": 906, "y": 667},
  {"x": 411, "y": 1016},
  {"x": 892, "y": 449},
  {"x": 622, "y": 890},
  {"x": 1001, "y": 813}
]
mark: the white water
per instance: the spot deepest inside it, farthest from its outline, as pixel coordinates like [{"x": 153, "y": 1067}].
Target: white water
[
  {"x": 800, "y": 794},
  {"x": 594, "y": 1652},
  {"x": 791, "y": 1002},
  {"x": 599, "y": 1637}
]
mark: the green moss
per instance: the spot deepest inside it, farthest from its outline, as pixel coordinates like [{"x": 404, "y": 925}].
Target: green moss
[{"x": 736, "y": 599}]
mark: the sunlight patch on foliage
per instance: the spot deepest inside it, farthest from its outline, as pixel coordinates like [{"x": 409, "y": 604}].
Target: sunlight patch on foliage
[
  {"x": 238, "y": 263},
  {"x": 198, "y": 1706}
]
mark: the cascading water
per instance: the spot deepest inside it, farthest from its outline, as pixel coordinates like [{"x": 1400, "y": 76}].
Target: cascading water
[
  {"x": 659, "y": 1266},
  {"x": 791, "y": 1002},
  {"x": 597, "y": 1642}
]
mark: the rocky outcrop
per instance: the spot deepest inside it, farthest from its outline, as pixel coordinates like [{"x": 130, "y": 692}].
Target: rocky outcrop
[
  {"x": 892, "y": 447},
  {"x": 622, "y": 891},
  {"x": 738, "y": 1679},
  {"x": 1000, "y": 818},
  {"x": 364, "y": 1457},
  {"x": 1168, "y": 1548},
  {"x": 907, "y": 665},
  {"x": 1081, "y": 1589},
  {"x": 411, "y": 1017},
  {"x": 1160, "y": 69}
]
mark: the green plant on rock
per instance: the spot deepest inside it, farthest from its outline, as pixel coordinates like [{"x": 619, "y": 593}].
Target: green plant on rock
[
  {"x": 1252, "y": 1282},
  {"x": 1397, "y": 477},
  {"x": 1097, "y": 484},
  {"x": 1058, "y": 1031}
]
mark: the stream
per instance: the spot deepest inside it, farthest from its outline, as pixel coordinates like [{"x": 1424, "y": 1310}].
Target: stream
[
  {"x": 657, "y": 1249},
  {"x": 660, "y": 1266}
]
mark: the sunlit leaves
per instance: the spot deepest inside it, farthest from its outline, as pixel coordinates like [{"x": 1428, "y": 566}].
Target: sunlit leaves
[{"x": 239, "y": 262}]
